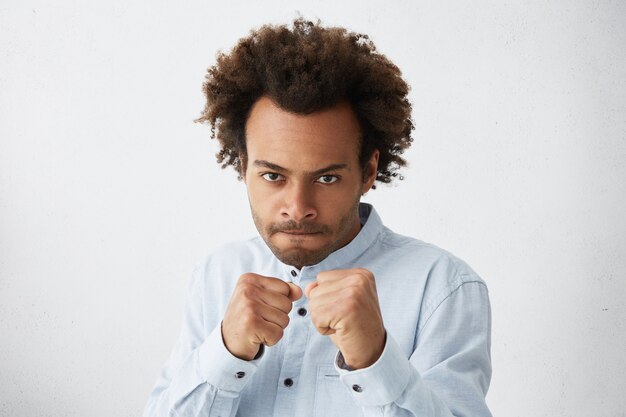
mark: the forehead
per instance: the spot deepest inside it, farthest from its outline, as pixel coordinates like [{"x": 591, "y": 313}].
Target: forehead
[{"x": 302, "y": 141}]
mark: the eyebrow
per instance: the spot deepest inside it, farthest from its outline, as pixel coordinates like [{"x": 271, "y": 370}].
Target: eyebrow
[{"x": 266, "y": 164}]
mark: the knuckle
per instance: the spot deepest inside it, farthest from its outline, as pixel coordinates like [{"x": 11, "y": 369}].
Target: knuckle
[
  {"x": 363, "y": 279},
  {"x": 316, "y": 320},
  {"x": 274, "y": 337},
  {"x": 247, "y": 320},
  {"x": 245, "y": 304},
  {"x": 354, "y": 292},
  {"x": 364, "y": 274},
  {"x": 245, "y": 277},
  {"x": 355, "y": 280},
  {"x": 351, "y": 304},
  {"x": 248, "y": 291},
  {"x": 323, "y": 275},
  {"x": 249, "y": 316}
]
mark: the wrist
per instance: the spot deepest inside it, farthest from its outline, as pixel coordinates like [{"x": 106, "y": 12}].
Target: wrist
[
  {"x": 246, "y": 352},
  {"x": 364, "y": 359},
  {"x": 354, "y": 363}
]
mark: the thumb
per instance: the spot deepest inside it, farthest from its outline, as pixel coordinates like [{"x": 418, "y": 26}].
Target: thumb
[
  {"x": 295, "y": 292},
  {"x": 309, "y": 288}
]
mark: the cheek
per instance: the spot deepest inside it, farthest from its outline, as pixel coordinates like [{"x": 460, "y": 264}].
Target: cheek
[
  {"x": 340, "y": 200},
  {"x": 261, "y": 201}
]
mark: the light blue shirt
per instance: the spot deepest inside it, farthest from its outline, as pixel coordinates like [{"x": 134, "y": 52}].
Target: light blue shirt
[{"x": 436, "y": 361}]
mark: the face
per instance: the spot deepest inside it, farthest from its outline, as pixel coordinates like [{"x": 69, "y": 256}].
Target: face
[{"x": 304, "y": 179}]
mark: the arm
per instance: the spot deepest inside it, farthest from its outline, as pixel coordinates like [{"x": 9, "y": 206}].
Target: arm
[
  {"x": 200, "y": 376},
  {"x": 206, "y": 374},
  {"x": 448, "y": 373}
]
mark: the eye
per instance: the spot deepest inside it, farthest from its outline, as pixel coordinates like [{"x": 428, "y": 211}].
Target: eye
[
  {"x": 271, "y": 177},
  {"x": 328, "y": 179}
]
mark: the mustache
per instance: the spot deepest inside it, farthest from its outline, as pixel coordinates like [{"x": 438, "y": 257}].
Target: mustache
[{"x": 293, "y": 226}]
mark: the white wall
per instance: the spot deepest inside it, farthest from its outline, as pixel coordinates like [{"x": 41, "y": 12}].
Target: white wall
[{"x": 109, "y": 193}]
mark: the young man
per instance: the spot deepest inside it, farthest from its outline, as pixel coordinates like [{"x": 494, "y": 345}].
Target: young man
[{"x": 327, "y": 313}]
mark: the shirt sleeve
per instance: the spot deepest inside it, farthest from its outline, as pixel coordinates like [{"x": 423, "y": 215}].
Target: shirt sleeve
[
  {"x": 201, "y": 377},
  {"x": 447, "y": 375}
]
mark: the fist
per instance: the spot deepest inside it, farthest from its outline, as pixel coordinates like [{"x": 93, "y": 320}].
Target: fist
[
  {"x": 344, "y": 305},
  {"x": 257, "y": 314}
]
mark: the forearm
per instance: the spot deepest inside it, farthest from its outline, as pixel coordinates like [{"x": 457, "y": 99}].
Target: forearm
[
  {"x": 207, "y": 382},
  {"x": 204, "y": 400},
  {"x": 446, "y": 375},
  {"x": 392, "y": 387}
]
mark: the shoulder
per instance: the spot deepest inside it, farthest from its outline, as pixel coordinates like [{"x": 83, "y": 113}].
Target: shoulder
[
  {"x": 412, "y": 272},
  {"x": 425, "y": 253},
  {"x": 438, "y": 271}
]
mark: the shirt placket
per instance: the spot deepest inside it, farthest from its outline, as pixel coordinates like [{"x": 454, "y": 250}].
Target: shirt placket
[{"x": 296, "y": 339}]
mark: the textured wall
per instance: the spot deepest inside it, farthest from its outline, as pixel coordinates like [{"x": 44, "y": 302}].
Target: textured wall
[{"x": 109, "y": 193}]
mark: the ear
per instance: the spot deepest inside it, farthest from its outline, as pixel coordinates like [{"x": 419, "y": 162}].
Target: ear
[{"x": 370, "y": 171}]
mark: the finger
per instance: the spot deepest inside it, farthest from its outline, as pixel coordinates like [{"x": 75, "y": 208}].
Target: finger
[
  {"x": 295, "y": 292},
  {"x": 275, "y": 284},
  {"x": 274, "y": 299},
  {"x": 334, "y": 275},
  {"x": 271, "y": 334},
  {"x": 324, "y": 322},
  {"x": 269, "y": 283},
  {"x": 309, "y": 288},
  {"x": 323, "y": 288},
  {"x": 330, "y": 301},
  {"x": 273, "y": 315},
  {"x": 326, "y": 331},
  {"x": 358, "y": 279}
]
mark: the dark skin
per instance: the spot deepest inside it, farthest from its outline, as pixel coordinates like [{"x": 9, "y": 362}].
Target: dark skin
[{"x": 304, "y": 180}]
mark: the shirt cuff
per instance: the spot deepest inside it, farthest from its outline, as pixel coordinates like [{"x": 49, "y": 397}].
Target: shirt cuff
[
  {"x": 382, "y": 382},
  {"x": 222, "y": 369}
]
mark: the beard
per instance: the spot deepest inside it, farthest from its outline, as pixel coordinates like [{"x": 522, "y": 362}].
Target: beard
[{"x": 336, "y": 236}]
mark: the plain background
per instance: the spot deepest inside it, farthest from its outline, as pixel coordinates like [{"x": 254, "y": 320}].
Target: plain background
[{"x": 109, "y": 193}]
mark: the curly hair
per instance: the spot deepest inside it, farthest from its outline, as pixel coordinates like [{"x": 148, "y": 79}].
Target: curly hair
[{"x": 304, "y": 69}]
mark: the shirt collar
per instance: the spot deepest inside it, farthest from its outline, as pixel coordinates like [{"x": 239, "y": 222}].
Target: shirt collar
[{"x": 346, "y": 255}]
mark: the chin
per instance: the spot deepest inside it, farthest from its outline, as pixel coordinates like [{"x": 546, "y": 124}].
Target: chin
[{"x": 299, "y": 256}]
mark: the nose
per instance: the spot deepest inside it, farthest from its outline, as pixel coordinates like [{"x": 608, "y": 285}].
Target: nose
[{"x": 298, "y": 204}]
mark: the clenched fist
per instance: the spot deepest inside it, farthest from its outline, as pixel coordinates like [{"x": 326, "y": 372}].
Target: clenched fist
[
  {"x": 344, "y": 305},
  {"x": 257, "y": 314}
]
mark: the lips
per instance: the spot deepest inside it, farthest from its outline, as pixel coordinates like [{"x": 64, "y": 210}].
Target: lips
[{"x": 297, "y": 229}]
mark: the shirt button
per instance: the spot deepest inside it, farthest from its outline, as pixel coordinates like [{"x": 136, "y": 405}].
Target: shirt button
[
  {"x": 357, "y": 388},
  {"x": 288, "y": 382},
  {"x": 240, "y": 374},
  {"x": 293, "y": 273},
  {"x": 302, "y": 311}
]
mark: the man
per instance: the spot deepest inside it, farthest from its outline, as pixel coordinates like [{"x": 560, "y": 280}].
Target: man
[{"x": 328, "y": 313}]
